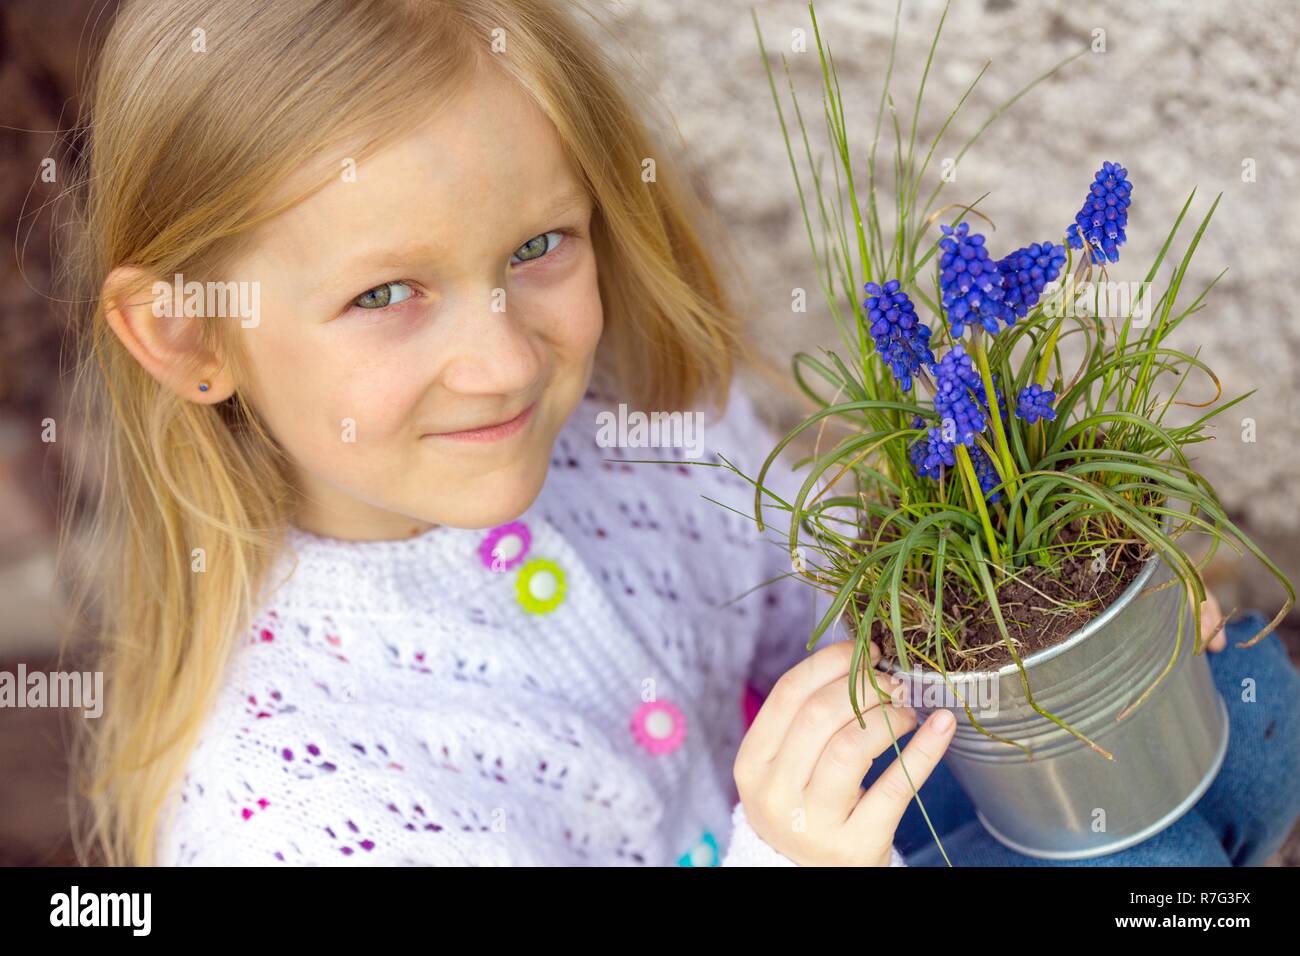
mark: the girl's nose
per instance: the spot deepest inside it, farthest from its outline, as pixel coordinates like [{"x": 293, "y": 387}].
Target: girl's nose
[{"x": 490, "y": 352}]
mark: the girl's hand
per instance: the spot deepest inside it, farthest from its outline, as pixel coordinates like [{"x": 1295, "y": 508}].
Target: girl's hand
[
  {"x": 800, "y": 766},
  {"x": 1212, "y": 623}
]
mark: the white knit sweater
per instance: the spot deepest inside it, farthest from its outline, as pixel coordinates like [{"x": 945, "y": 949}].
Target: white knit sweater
[{"x": 403, "y": 702}]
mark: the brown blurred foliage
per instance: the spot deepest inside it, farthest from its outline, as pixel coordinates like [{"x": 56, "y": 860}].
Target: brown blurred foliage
[{"x": 45, "y": 46}]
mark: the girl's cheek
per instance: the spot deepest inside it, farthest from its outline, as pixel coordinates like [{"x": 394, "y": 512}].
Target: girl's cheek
[
  {"x": 572, "y": 315},
  {"x": 322, "y": 405},
  {"x": 380, "y": 399}
]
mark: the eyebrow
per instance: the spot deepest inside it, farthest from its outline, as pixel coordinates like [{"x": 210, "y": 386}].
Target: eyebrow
[{"x": 571, "y": 198}]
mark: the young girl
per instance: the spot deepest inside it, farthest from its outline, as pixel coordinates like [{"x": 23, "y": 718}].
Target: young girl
[
  {"x": 374, "y": 584},
  {"x": 372, "y": 587}
]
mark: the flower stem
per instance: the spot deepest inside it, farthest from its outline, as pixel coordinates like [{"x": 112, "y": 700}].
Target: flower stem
[
  {"x": 999, "y": 434},
  {"x": 1045, "y": 360},
  {"x": 977, "y": 496}
]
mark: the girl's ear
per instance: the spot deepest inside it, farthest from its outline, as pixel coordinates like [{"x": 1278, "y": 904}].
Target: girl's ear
[{"x": 167, "y": 343}]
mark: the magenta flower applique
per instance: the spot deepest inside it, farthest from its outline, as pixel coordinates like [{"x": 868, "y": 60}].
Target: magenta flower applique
[{"x": 505, "y": 547}]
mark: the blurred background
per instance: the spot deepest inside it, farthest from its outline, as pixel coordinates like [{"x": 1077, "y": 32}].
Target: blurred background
[{"x": 1185, "y": 95}]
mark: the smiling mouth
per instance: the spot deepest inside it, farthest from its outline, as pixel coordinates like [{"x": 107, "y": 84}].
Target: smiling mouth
[{"x": 490, "y": 432}]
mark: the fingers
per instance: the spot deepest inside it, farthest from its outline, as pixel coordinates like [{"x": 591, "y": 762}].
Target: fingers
[
  {"x": 881, "y": 808},
  {"x": 823, "y": 715},
  {"x": 1212, "y": 622},
  {"x": 828, "y": 665},
  {"x": 836, "y": 783}
]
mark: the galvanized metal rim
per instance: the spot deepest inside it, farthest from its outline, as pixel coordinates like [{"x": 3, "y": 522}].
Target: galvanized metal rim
[{"x": 1046, "y": 654}]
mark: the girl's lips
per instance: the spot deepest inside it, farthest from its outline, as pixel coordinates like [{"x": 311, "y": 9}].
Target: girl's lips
[{"x": 492, "y": 432}]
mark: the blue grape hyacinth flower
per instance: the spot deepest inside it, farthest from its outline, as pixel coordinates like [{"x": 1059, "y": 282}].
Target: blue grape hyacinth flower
[
  {"x": 925, "y": 459},
  {"x": 985, "y": 473},
  {"x": 901, "y": 338},
  {"x": 930, "y": 454},
  {"x": 1035, "y": 402},
  {"x": 969, "y": 281},
  {"x": 959, "y": 397},
  {"x": 1025, "y": 274},
  {"x": 1104, "y": 215}
]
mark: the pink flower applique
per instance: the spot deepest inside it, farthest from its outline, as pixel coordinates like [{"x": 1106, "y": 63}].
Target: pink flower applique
[
  {"x": 659, "y": 727},
  {"x": 504, "y": 547}
]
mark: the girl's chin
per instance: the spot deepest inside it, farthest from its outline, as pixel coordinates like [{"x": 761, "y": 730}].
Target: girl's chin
[{"x": 493, "y": 500}]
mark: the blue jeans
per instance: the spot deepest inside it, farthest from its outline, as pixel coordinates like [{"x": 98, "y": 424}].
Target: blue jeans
[{"x": 1241, "y": 820}]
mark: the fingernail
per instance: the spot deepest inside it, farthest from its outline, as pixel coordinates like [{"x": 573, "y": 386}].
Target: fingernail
[{"x": 942, "y": 720}]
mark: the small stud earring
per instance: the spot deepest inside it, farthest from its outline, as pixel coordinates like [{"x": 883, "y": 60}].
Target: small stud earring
[{"x": 203, "y": 386}]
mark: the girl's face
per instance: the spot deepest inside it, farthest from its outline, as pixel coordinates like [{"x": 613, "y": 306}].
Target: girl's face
[{"x": 441, "y": 286}]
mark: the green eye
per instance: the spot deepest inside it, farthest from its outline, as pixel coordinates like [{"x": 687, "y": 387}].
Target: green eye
[
  {"x": 536, "y": 247},
  {"x": 382, "y": 296}
]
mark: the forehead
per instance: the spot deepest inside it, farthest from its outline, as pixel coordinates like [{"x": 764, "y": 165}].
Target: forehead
[{"x": 469, "y": 170}]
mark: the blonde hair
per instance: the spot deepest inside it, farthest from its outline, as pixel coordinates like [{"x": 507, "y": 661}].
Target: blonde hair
[{"x": 180, "y": 152}]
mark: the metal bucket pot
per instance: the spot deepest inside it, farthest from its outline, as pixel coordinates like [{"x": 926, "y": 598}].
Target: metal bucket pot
[{"x": 1069, "y": 802}]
